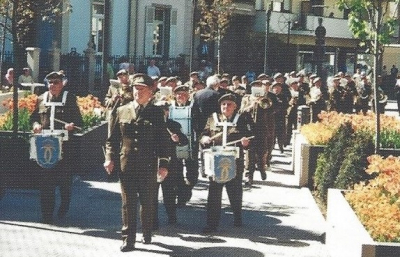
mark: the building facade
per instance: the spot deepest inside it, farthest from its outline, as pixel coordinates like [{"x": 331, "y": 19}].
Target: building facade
[{"x": 151, "y": 28}]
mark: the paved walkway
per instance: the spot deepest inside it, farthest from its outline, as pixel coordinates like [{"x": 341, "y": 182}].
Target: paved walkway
[{"x": 280, "y": 219}]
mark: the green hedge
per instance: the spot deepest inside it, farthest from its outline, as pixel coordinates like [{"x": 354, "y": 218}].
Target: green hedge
[{"x": 344, "y": 160}]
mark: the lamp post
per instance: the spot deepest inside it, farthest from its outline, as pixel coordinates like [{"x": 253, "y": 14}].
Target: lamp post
[
  {"x": 194, "y": 10},
  {"x": 319, "y": 49},
  {"x": 268, "y": 19}
]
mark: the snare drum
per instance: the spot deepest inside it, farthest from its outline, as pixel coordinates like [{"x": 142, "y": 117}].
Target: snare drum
[
  {"x": 45, "y": 149},
  {"x": 220, "y": 163}
]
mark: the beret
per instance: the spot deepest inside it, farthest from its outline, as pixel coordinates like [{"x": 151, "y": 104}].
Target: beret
[
  {"x": 227, "y": 97},
  {"x": 183, "y": 87},
  {"x": 142, "y": 80},
  {"x": 256, "y": 82},
  {"x": 55, "y": 75},
  {"x": 122, "y": 72}
]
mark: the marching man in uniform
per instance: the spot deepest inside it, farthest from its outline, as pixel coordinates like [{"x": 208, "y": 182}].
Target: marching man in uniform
[
  {"x": 56, "y": 104},
  {"x": 140, "y": 139},
  {"x": 220, "y": 129},
  {"x": 181, "y": 111},
  {"x": 260, "y": 105},
  {"x": 119, "y": 93}
]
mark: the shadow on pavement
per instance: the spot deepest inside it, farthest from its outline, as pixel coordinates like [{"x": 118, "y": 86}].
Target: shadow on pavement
[{"x": 96, "y": 212}]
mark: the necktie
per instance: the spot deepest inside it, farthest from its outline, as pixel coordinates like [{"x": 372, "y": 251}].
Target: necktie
[{"x": 139, "y": 110}]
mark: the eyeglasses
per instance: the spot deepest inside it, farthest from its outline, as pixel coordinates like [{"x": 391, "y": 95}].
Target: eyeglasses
[{"x": 54, "y": 81}]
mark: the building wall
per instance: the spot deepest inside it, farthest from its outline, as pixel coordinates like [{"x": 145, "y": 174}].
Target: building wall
[
  {"x": 119, "y": 27},
  {"x": 183, "y": 22},
  {"x": 391, "y": 56},
  {"x": 78, "y": 26}
]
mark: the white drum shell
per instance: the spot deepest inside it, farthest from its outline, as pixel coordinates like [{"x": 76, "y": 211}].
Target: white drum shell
[
  {"x": 210, "y": 154},
  {"x": 182, "y": 115}
]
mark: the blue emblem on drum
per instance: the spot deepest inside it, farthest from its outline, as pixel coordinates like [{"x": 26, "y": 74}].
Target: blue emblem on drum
[
  {"x": 224, "y": 168},
  {"x": 48, "y": 151}
]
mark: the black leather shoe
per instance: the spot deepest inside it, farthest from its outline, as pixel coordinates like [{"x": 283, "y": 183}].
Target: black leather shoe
[
  {"x": 127, "y": 246},
  {"x": 263, "y": 175},
  {"x": 249, "y": 182},
  {"x": 146, "y": 240},
  {"x": 209, "y": 229}
]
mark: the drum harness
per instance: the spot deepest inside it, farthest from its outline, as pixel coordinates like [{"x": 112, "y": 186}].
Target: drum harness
[
  {"x": 224, "y": 126},
  {"x": 50, "y": 138},
  {"x": 52, "y": 106},
  {"x": 188, "y": 125}
]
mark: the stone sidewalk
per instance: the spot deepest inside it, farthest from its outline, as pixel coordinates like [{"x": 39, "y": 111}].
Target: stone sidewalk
[{"x": 279, "y": 219}]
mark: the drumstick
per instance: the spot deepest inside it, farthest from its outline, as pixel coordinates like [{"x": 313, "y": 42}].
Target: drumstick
[
  {"x": 237, "y": 141},
  {"x": 216, "y": 135},
  {"x": 104, "y": 151},
  {"x": 63, "y": 122},
  {"x": 169, "y": 131},
  {"x": 115, "y": 105}
]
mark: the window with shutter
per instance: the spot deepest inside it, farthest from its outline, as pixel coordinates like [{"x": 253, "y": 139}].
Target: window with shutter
[
  {"x": 149, "y": 31},
  {"x": 173, "y": 28},
  {"x": 160, "y": 32}
]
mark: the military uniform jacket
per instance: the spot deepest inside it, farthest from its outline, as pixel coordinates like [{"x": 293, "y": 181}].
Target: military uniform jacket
[
  {"x": 125, "y": 91},
  {"x": 139, "y": 140},
  {"x": 263, "y": 119}
]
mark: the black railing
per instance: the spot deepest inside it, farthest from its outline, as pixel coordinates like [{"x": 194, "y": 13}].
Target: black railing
[{"x": 76, "y": 68}]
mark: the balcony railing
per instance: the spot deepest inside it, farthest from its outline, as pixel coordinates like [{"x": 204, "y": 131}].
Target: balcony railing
[{"x": 302, "y": 24}]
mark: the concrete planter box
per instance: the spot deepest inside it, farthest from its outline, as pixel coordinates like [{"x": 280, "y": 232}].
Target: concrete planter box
[
  {"x": 91, "y": 156},
  {"x": 346, "y": 236},
  {"x": 305, "y": 160},
  {"x": 18, "y": 171}
]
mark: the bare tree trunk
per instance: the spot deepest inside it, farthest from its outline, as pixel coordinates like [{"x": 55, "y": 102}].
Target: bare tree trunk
[{"x": 218, "y": 52}]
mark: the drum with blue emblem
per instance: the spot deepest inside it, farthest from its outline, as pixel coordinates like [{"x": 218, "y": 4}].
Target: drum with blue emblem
[
  {"x": 46, "y": 149},
  {"x": 220, "y": 163}
]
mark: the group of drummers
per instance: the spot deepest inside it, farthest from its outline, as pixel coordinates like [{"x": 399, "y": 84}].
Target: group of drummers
[{"x": 162, "y": 131}]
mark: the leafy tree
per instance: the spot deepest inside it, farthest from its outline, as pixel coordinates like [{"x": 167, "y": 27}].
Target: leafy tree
[
  {"x": 369, "y": 19},
  {"x": 214, "y": 21},
  {"x": 24, "y": 16},
  {"x": 372, "y": 23}
]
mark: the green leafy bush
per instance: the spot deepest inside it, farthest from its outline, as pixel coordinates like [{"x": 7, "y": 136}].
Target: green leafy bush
[
  {"x": 330, "y": 161},
  {"x": 355, "y": 161},
  {"x": 344, "y": 160},
  {"x": 390, "y": 138},
  {"x": 23, "y": 121}
]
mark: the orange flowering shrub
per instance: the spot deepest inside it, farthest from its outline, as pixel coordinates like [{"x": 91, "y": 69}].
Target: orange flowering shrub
[
  {"x": 317, "y": 133},
  {"x": 26, "y": 106},
  {"x": 377, "y": 203},
  {"x": 322, "y": 131},
  {"x": 89, "y": 106},
  {"x": 28, "y": 102},
  {"x": 91, "y": 110}
]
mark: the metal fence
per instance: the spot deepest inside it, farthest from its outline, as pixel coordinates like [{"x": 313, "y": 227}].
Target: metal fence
[
  {"x": 168, "y": 66},
  {"x": 76, "y": 68}
]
